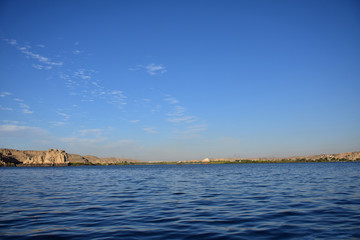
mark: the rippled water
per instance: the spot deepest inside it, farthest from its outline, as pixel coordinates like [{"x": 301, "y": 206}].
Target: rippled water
[{"x": 234, "y": 201}]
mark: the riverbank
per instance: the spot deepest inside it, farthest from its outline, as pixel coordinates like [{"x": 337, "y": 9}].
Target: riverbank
[{"x": 54, "y": 157}]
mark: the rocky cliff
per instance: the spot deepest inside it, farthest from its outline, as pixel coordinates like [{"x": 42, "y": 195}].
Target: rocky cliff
[{"x": 51, "y": 157}]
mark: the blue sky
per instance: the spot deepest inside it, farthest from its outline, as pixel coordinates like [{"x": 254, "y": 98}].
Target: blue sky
[{"x": 180, "y": 80}]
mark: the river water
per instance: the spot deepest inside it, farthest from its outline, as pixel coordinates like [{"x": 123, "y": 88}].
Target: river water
[{"x": 229, "y": 201}]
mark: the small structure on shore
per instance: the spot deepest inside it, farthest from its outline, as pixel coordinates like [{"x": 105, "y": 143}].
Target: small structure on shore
[{"x": 205, "y": 160}]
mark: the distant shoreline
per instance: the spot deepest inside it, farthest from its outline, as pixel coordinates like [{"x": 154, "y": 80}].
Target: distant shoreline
[
  {"x": 187, "y": 163},
  {"x": 57, "y": 158},
  {"x": 222, "y": 162}
]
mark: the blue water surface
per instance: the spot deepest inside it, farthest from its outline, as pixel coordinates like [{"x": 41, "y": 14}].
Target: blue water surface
[{"x": 229, "y": 201}]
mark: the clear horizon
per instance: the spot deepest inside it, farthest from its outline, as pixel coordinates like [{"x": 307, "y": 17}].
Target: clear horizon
[{"x": 180, "y": 80}]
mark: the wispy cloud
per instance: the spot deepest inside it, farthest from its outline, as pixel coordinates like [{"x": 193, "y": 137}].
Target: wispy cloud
[
  {"x": 116, "y": 97},
  {"x": 65, "y": 116},
  {"x": 12, "y": 122},
  {"x": 76, "y": 52},
  {"x": 94, "y": 131},
  {"x": 150, "y": 130},
  {"x": 178, "y": 111},
  {"x": 4, "y": 94},
  {"x": 77, "y": 140},
  {"x": 83, "y": 83},
  {"x": 84, "y": 73},
  {"x": 14, "y": 130},
  {"x": 171, "y": 99},
  {"x": 152, "y": 68},
  {"x": 63, "y": 121},
  {"x": 25, "y": 108},
  {"x": 134, "y": 121},
  {"x": 5, "y": 108},
  {"x": 86, "y": 136},
  {"x": 179, "y": 115},
  {"x": 44, "y": 62},
  {"x": 41, "y": 67},
  {"x": 191, "y": 131},
  {"x": 183, "y": 119}
]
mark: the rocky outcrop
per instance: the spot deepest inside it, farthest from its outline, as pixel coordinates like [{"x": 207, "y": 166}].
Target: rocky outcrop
[
  {"x": 108, "y": 161},
  {"x": 54, "y": 157},
  {"x": 51, "y": 157},
  {"x": 78, "y": 159},
  {"x": 6, "y": 159}
]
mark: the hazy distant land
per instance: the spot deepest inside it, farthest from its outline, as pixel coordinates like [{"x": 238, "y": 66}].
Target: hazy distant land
[{"x": 54, "y": 157}]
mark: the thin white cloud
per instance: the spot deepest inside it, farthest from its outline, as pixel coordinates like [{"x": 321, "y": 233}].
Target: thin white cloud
[
  {"x": 65, "y": 116},
  {"x": 25, "y": 108},
  {"x": 150, "y": 130},
  {"x": 27, "y": 111},
  {"x": 38, "y": 57},
  {"x": 85, "y": 137},
  {"x": 77, "y": 140},
  {"x": 183, "y": 119},
  {"x": 178, "y": 115},
  {"x": 41, "y": 67},
  {"x": 11, "y": 41},
  {"x": 94, "y": 131},
  {"x": 171, "y": 100},
  {"x": 11, "y": 128},
  {"x": 14, "y": 130},
  {"x": 11, "y": 122},
  {"x": 57, "y": 123},
  {"x": 134, "y": 121},
  {"x": 192, "y": 130},
  {"x": 116, "y": 97},
  {"x": 84, "y": 73},
  {"x": 81, "y": 82},
  {"x": 152, "y": 68},
  {"x": 84, "y": 84},
  {"x": 4, "y": 94},
  {"x": 177, "y": 111},
  {"x": 26, "y": 51},
  {"x": 5, "y": 108}
]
